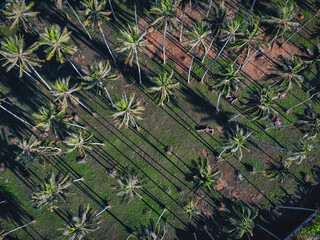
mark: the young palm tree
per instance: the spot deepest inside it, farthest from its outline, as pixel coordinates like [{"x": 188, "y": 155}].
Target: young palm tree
[
  {"x": 127, "y": 185},
  {"x": 278, "y": 171},
  {"x": 236, "y": 141},
  {"x": 165, "y": 14},
  {"x": 203, "y": 175},
  {"x": 251, "y": 39},
  {"x": 52, "y": 118},
  {"x": 94, "y": 13},
  {"x": 80, "y": 142},
  {"x": 282, "y": 21},
  {"x": 52, "y": 191},
  {"x": 311, "y": 120},
  {"x": 63, "y": 93},
  {"x": 228, "y": 35},
  {"x": 15, "y": 54},
  {"x": 164, "y": 86},
  {"x": 57, "y": 43},
  {"x": 79, "y": 226},
  {"x": 287, "y": 73},
  {"x": 131, "y": 43},
  {"x": 301, "y": 151},
  {"x": 32, "y": 149},
  {"x": 153, "y": 230},
  {"x": 261, "y": 103},
  {"x": 240, "y": 221},
  {"x": 191, "y": 208},
  {"x": 228, "y": 81},
  {"x": 197, "y": 36},
  {"x": 20, "y": 13},
  {"x": 218, "y": 22},
  {"x": 98, "y": 76},
  {"x": 127, "y": 110}
]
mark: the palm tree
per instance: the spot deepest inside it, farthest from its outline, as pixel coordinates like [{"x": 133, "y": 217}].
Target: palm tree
[
  {"x": 287, "y": 72},
  {"x": 218, "y": 22},
  {"x": 261, "y": 103},
  {"x": 98, "y": 76},
  {"x": 20, "y": 13},
  {"x": 236, "y": 141},
  {"x": 251, "y": 39},
  {"x": 165, "y": 14},
  {"x": 164, "y": 86},
  {"x": 63, "y": 93},
  {"x": 279, "y": 170},
  {"x": 191, "y": 208},
  {"x": 127, "y": 110},
  {"x": 52, "y": 118},
  {"x": 57, "y": 43},
  {"x": 79, "y": 226},
  {"x": 228, "y": 81},
  {"x": 131, "y": 43},
  {"x": 82, "y": 142},
  {"x": 240, "y": 221},
  {"x": 282, "y": 21},
  {"x": 94, "y": 14},
  {"x": 203, "y": 175},
  {"x": 312, "y": 57},
  {"x": 127, "y": 185},
  {"x": 228, "y": 35},
  {"x": 15, "y": 54},
  {"x": 153, "y": 231},
  {"x": 52, "y": 191},
  {"x": 301, "y": 151},
  {"x": 198, "y": 36},
  {"x": 311, "y": 120},
  {"x": 32, "y": 149}
]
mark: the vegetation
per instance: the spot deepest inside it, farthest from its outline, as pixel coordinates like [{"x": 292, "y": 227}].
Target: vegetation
[{"x": 243, "y": 136}]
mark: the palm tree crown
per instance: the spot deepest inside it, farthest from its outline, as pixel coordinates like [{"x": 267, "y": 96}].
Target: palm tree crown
[
  {"x": 94, "y": 12},
  {"x": 240, "y": 221},
  {"x": 52, "y": 191},
  {"x": 127, "y": 110},
  {"x": 19, "y": 12},
  {"x": 13, "y": 49},
  {"x": 282, "y": 21},
  {"x": 287, "y": 72},
  {"x": 163, "y": 88},
  {"x": 79, "y": 226},
  {"x": 63, "y": 92},
  {"x": 57, "y": 42}
]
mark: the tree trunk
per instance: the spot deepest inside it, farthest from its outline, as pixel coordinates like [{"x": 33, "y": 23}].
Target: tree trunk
[
  {"x": 20, "y": 119},
  {"x": 114, "y": 15},
  {"x": 164, "y": 210},
  {"x": 302, "y": 102},
  {"x": 84, "y": 106},
  {"x": 205, "y": 54},
  {"x": 195, "y": 236},
  {"x": 135, "y": 123},
  {"x": 105, "y": 41},
  {"x": 209, "y": 8},
  {"x": 214, "y": 60},
  {"x": 129, "y": 236},
  {"x": 298, "y": 208},
  {"x": 109, "y": 96},
  {"x": 79, "y": 179},
  {"x": 217, "y": 107},
  {"x": 136, "y": 16},
  {"x": 300, "y": 28},
  {"x": 191, "y": 63},
  {"x": 75, "y": 125},
  {"x": 3, "y": 202},
  {"x": 103, "y": 210},
  {"x": 75, "y": 13},
  {"x": 267, "y": 231},
  {"x": 182, "y": 20},
  {"x": 238, "y": 115},
  {"x": 74, "y": 67},
  {"x": 38, "y": 75},
  {"x": 164, "y": 42},
  {"x": 279, "y": 126},
  {"x": 266, "y": 144},
  {"x": 5, "y": 234},
  {"x": 208, "y": 234},
  {"x": 138, "y": 65}
]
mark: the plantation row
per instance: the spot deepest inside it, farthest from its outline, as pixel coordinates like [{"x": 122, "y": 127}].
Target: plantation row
[{"x": 220, "y": 47}]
